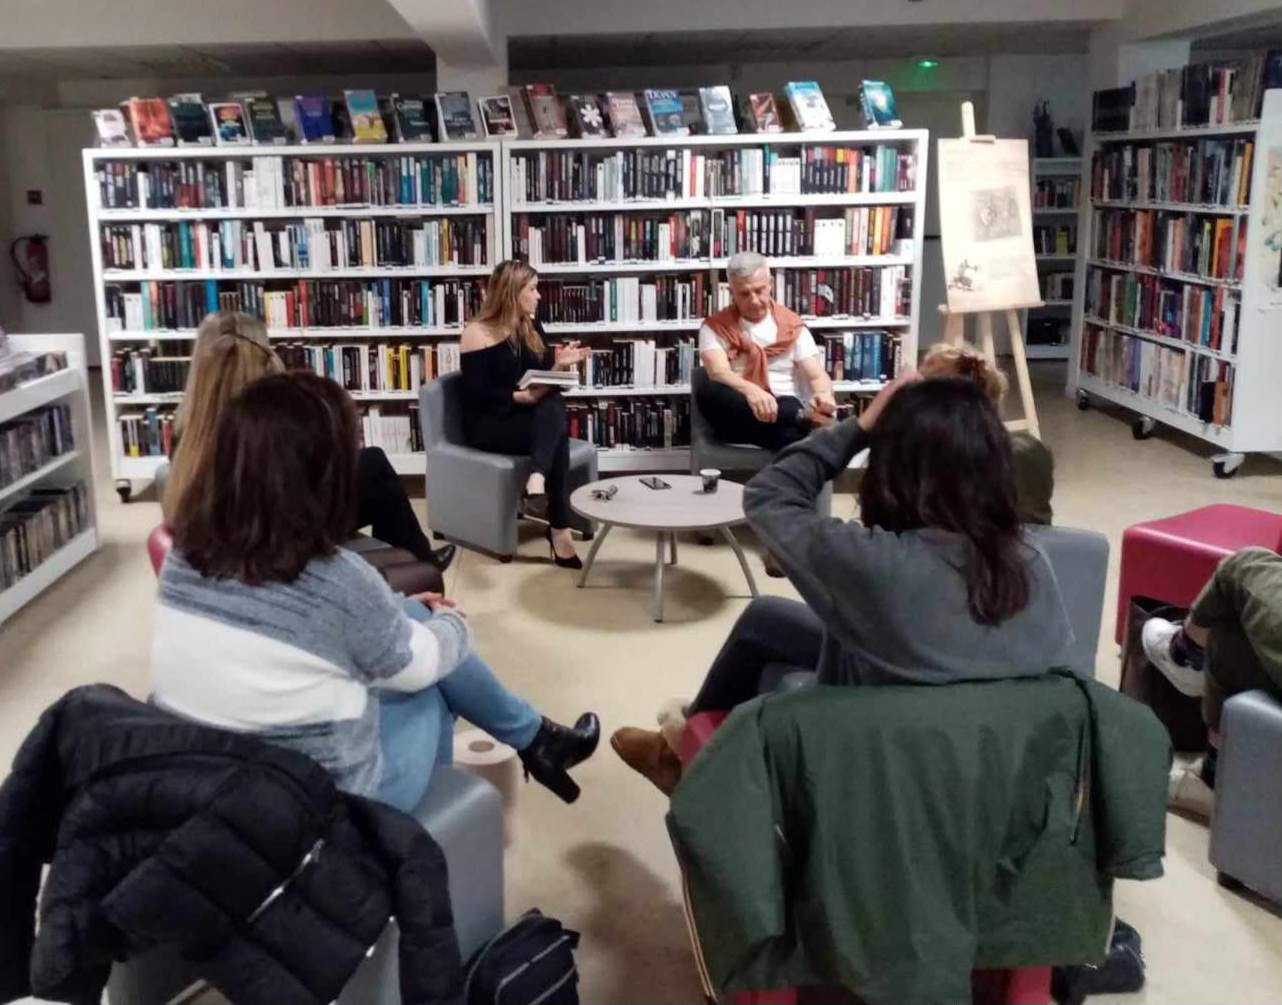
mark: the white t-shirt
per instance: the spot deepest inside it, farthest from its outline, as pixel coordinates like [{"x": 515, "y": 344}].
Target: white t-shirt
[{"x": 782, "y": 369}]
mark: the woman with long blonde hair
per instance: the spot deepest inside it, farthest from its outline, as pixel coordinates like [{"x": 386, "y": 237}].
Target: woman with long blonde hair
[
  {"x": 498, "y": 346},
  {"x": 231, "y": 351}
]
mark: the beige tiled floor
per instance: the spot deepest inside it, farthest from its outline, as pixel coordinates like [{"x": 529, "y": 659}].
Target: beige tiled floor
[{"x": 604, "y": 865}]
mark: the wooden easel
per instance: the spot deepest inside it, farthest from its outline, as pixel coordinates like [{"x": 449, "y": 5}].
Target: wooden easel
[{"x": 955, "y": 321}]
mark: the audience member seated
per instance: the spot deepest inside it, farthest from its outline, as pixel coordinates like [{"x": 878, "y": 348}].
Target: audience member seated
[
  {"x": 936, "y": 585},
  {"x": 1230, "y": 642},
  {"x": 758, "y": 353},
  {"x": 232, "y": 349},
  {"x": 498, "y": 346},
  {"x": 266, "y": 625},
  {"x": 1034, "y": 463}
]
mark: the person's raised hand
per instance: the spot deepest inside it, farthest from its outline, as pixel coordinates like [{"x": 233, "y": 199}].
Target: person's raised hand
[
  {"x": 764, "y": 405},
  {"x": 872, "y": 413}
]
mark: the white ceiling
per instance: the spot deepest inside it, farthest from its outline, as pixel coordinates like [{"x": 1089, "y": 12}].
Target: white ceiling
[
  {"x": 791, "y": 45},
  {"x": 231, "y": 60}
]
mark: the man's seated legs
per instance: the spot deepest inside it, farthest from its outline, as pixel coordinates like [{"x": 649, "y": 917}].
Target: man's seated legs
[{"x": 732, "y": 419}]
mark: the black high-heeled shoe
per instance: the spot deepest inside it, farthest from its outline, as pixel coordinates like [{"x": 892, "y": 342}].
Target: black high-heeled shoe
[
  {"x": 573, "y": 562},
  {"x": 555, "y": 749},
  {"x": 442, "y": 557}
]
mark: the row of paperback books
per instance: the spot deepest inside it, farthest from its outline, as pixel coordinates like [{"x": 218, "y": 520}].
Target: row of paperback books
[
  {"x": 1194, "y": 384},
  {"x": 1196, "y": 244},
  {"x": 1201, "y": 315},
  {"x": 1050, "y": 239},
  {"x": 866, "y": 355},
  {"x": 373, "y": 368},
  {"x": 1057, "y": 192},
  {"x": 1056, "y": 285},
  {"x": 140, "y": 371},
  {"x": 315, "y": 244},
  {"x": 37, "y": 525},
  {"x": 652, "y": 297},
  {"x": 881, "y": 293},
  {"x": 275, "y": 182},
  {"x": 396, "y": 432},
  {"x": 147, "y": 433},
  {"x": 307, "y": 303},
  {"x": 1200, "y": 94},
  {"x": 634, "y": 362},
  {"x": 583, "y": 175},
  {"x": 660, "y": 423},
  {"x": 693, "y": 234},
  {"x": 1210, "y": 171},
  {"x": 32, "y": 440}
]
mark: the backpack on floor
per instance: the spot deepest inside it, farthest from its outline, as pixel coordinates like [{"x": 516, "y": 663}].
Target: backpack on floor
[{"x": 530, "y": 961}]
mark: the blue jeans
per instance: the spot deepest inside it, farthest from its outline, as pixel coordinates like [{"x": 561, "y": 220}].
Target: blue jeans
[{"x": 416, "y": 730}]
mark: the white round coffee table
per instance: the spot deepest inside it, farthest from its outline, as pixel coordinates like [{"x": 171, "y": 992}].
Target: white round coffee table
[{"x": 683, "y": 507}]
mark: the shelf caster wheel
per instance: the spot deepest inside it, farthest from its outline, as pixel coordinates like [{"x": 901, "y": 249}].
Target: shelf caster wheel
[
  {"x": 437, "y": 536},
  {"x": 505, "y": 559},
  {"x": 1142, "y": 428},
  {"x": 1227, "y": 465},
  {"x": 1083, "y": 401},
  {"x": 124, "y": 489},
  {"x": 1229, "y": 883}
]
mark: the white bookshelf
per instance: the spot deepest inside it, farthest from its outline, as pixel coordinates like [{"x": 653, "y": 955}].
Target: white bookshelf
[
  {"x": 1254, "y": 422},
  {"x": 69, "y": 387},
  {"x": 600, "y": 334},
  {"x": 113, "y": 337},
  {"x": 1056, "y": 309}
]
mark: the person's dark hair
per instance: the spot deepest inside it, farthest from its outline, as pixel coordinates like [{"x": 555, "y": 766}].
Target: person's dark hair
[
  {"x": 941, "y": 458},
  {"x": 281, "y": 487}
]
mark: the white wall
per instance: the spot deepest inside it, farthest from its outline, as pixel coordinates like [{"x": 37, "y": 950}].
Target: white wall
[{"x": 1153, "y": 18}]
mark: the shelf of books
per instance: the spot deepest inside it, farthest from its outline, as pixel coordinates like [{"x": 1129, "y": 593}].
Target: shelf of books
[
  {"x": 631, "y": 236},
  {"x": 1057, "y": 199},
  {"x": 1180, "y": 268},
  {"x": 364, "y": 259},
  {"x": 47, "y": 514}
]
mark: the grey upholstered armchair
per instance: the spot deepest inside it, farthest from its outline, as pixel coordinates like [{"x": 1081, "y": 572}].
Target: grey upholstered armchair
[{"x": 473, "y": 496}]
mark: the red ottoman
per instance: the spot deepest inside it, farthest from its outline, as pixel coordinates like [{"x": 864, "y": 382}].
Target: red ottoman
[{"x": 1171, "y": 559}]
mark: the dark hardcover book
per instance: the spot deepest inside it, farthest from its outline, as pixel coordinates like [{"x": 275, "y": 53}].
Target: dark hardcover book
[
  {"x": 763, "y": 113},
  {"x": 315, "y": 118},
  {"x": 454, "y": 112},
  {"x": 1068, "y": 142},
  {"x": 1197, "y": 91},
  {"x": 624, "y": 113},
  {"x": 265, "y": 124},
  {"x": 718, "y": 110},
  {"x": 585, "y": 115},
  {"x": 547, "y": 116},
  {"x": 497, "y": 115},
  {"x": 191, "y": 120},
  {"x": 691, "y": 113},
  {"x": 1111, "y": 109},
  {"x": 342, "y": 121},
  {"x": 412, "y": 119},
  {"x": 664, "y": 110}
]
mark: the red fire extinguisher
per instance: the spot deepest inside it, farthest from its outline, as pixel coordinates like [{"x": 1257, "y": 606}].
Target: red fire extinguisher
[{"x": 32, "y": 263}]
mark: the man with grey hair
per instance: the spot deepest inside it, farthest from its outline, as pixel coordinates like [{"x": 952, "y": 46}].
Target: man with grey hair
[{"x": 758, "y": 355}]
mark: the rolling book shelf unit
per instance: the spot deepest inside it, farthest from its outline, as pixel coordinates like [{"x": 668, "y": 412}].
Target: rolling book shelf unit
[
  {"x": 434, "y": 207},
  {"x": 1177, "y": 305},
  {"x": 58, "y": 463},
  {"x": 590, "y": 213},
  {"x": 1057, "y": 191}
]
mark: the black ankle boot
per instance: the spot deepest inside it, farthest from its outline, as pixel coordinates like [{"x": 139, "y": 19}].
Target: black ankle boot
[{"x": 556, "y": 748}]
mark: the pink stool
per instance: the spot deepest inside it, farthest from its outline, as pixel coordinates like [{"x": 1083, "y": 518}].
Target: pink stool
[{"x": 1170, "y": 560}]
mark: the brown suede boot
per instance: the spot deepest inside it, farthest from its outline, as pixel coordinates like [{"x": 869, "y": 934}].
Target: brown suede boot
[{"x": 647, "y": 753}]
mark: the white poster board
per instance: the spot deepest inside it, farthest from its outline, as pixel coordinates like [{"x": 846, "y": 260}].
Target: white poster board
[{"x": 986, "y": 225}]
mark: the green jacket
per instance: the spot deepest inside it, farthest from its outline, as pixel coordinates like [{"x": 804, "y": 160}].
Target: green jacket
[{"x": 891, "y": 839}]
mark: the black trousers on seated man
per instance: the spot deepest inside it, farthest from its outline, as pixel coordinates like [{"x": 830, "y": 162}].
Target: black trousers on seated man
[
  {"x": 770, "y": 630},
  {"x": 731, "y": 418}
]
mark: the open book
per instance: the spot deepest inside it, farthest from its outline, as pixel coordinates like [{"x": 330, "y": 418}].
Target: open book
[{"x": 549, "y": 378}]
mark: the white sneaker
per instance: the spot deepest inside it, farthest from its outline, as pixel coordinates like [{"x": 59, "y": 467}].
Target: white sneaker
[
  {"x": 1156, "y": 638},
  {"x": 1187, "y": 792}
]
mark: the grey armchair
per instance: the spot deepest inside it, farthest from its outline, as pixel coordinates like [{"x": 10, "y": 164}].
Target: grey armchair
[
  {"x": 1246, "y": 829},
  {"x": 473, "y": 496}
]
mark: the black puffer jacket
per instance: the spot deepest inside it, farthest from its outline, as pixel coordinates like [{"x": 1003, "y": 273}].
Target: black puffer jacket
[{"x": 162, "y": 831}]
